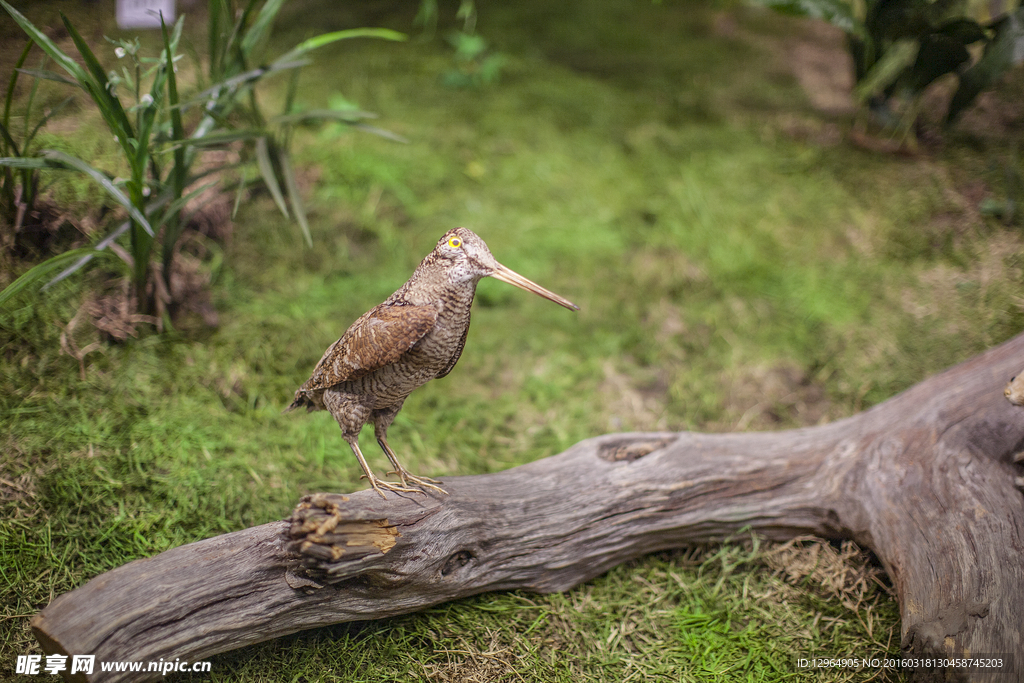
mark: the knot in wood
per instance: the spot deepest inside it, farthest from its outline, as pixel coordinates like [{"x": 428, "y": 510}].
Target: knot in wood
[{"x": 630, "y": 450}]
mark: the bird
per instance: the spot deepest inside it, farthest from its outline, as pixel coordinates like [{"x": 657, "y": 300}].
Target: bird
[{"x": 417, "y": 334}]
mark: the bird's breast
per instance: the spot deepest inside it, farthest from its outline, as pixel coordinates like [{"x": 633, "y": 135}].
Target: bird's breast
[{"x": 428, "y": 358}]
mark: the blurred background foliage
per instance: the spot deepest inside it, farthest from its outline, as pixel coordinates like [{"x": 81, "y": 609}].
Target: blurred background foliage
[
  {"x": 901, "y": 47},
  {"x": 747, "y": 255}
]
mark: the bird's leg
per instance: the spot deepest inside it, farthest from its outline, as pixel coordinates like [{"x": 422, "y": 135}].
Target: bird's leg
[
  {"x": 403, "y": 473},
  {"x": 376, "y": 483},
  {"x": 382, "y": 419}
]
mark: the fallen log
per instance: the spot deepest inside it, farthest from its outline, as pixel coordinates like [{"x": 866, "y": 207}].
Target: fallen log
[{"x": 926, "y": 480}]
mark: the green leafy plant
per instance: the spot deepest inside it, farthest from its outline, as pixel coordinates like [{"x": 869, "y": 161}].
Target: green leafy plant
[
  {"x": 235, "y": 47},
  {"x": 142, "y": 107},
  {"x": 19, "y": 187},
  {"x": 475, "y": 63},
  {"x": 901, "y": 47},
  {"x": 135, "y": 130}
]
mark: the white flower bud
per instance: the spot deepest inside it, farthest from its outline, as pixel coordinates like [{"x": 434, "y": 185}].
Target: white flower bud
[
  {"x": 119, "y": 51},
  {"x": 146, "y": 100}
]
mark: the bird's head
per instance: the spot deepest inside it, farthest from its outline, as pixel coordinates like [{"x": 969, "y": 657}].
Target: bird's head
[{"x": 467, "y": 259}]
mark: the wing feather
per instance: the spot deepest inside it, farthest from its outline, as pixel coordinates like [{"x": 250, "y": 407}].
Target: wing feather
[{"x": 376, "y": 339}]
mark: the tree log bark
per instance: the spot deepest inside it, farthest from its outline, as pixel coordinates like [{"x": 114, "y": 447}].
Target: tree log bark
[{"x": 926, "y": 480}]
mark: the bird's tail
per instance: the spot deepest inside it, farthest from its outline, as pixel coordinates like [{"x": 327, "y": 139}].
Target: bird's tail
[{"x": 301, "y": 400}]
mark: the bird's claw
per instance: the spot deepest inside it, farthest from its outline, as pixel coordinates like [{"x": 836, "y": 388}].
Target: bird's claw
[
  {"x": 422, "y": 482},
  {"x": 378, "y": 484}
]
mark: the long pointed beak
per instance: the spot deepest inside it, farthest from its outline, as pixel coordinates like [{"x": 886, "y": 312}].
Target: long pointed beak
[{"x": 513, "y": 278}]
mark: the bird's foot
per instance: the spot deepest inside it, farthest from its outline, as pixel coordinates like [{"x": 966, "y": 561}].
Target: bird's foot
[
  {"x": 379, "y": 484},
  {"x": 422, "y": 482}
]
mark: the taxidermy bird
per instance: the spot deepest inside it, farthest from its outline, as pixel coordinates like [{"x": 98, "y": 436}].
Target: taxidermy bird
[{"x": 416, "y": 335}]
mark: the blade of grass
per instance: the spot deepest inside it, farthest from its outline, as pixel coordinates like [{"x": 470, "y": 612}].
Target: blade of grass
[
  {"x": 9, "y": 96},
  {"x": 244, "y": 78},
  {"x": 886, "y": 70},
  {"x": 172, "y": 217},
  {"x": 40, "y": 271},
  {"x": 327, "y": 38},
  {"x": 49, "y": 76},
  {"x": 216, "y": 14},
  {"x": 266, "y": 167},
  {"x": 239, "y": 192},
  {"x": 99, "y": 88},
  {"x": 27, "y": 162},
  {"x": 345, "y": 115},
  {"x": 100, "y": 246},
  {"x": 261, "y": 27},
  {"x": 47, "y": 45},
  {"x": 294, "y": 197},
  {"x": 10, "y": 142},
  {"x": 380, "y": 132}
]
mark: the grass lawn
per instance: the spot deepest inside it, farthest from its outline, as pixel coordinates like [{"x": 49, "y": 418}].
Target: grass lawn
[{"x": 669, "y": 168}]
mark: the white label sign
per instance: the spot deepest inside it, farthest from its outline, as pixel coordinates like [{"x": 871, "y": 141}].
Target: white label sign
[{"x": 144, "y": 13}]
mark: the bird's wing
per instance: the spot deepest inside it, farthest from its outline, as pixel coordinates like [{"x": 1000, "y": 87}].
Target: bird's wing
[
  {"x": 378, "y": 338},
  {"x": 456, "y": 355}
]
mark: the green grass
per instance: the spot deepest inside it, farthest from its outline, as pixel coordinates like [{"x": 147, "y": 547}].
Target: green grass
[{"x": 735, "y": 271}]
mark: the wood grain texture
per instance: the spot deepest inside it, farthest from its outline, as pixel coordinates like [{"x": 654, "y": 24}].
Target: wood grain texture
[{"x": 926, "y": 480}]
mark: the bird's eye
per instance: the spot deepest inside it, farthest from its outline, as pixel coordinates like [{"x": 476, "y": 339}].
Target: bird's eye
[{"x": 454, "y": 242}]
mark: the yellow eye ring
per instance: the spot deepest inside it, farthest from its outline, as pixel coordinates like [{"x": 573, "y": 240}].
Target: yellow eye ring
[{"x": 454, "y": 242}]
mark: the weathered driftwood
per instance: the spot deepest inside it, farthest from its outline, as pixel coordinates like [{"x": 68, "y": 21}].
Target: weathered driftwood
[{"x": 926, "y": 480}]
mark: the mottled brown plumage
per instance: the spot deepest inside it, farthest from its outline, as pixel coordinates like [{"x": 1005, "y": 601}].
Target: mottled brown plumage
[{"x": 416, "y": 335}]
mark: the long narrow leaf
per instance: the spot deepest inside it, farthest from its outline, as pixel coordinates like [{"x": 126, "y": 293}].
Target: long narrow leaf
[
  {"x": 99, "y": 87},
  {"x": 180, "y": 169},
  {"x": 374, "y": 130},
  {"x": 172, "y": 217},
  {"x": 77, "y": 265},
  {"x": 9, "y": 142},
  {"x": 47, "y": 45},
  {"x": 115, "y": 192},
  {"x": 232, "y": 49},
  {"x": 50, "y": 76},
  {"x": 294, "y": 197},
  {"x": 177, "y": 128},
  {"x": 26, "y": 162},
  {"x": 239, "y": 192},
  {"x": 327, "y": 38},
  {"x": 246, "y": 77},
  {"x": 219, "y": 138},
  {"x": 38, "y": 272},
  {"x": 216, "y": 15},
  {"x": 344, "y": 115},
  {"x": 886, "y": 70},
  {"x": 266, "y": 167},
  {"x": 260, "y": 28},
  {"x": 9, "y": 97},
  {"x": 176, "y": 35}
]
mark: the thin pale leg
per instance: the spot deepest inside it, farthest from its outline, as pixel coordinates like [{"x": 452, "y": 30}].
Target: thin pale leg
[
  {"x": 381, "y": 421},
  {"x": 351, "y": 414},
  {"x": 376, "y": 483},
  {"x": 404, "y": 474}
]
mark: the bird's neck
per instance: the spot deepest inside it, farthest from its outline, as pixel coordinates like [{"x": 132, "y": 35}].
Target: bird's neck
[{"x": 430, "y": 286}]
